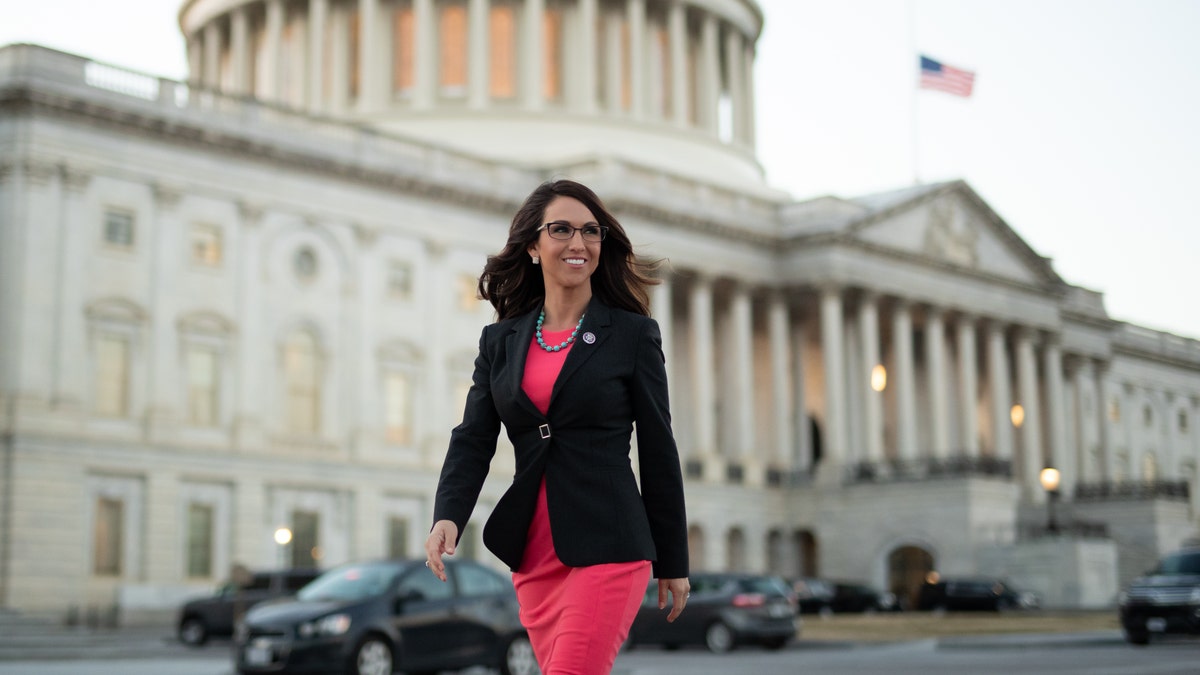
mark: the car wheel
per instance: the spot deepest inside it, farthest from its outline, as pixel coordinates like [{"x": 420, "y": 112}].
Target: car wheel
[
  {"x": 519, "y": 658},
  {"x": 718, "y": 638},
  {"x": 1140, "y": 638},
  {"x": 193, "y": 631},
  {"x": 373, "y": 657}
]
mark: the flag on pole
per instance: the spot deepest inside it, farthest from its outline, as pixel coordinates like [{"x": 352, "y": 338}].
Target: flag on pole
[{"x": 939, "y": 76}]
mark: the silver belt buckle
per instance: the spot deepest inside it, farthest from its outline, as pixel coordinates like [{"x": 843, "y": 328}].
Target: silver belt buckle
[{"x": 544, "y": 430}]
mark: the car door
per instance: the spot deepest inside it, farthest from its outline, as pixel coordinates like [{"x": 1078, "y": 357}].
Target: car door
[
  {"x": 485, "y": 610},
  {"x": 424, "y": 617}
]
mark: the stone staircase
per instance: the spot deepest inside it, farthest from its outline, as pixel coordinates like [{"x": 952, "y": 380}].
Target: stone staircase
[{"x": 31, "y": 637}]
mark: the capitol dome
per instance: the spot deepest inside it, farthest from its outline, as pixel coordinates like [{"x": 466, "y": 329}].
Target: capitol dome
[{"x": 545, "y": 83}]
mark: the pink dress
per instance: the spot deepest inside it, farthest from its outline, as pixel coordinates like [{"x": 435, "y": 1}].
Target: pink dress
[{"x": 577, "y": 617}]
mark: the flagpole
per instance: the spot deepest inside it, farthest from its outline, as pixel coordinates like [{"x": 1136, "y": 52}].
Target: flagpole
[{"x": 915, "y": 92}]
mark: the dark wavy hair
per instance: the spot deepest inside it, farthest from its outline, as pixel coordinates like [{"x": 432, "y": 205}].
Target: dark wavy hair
[{"x": 514, "y": 285}]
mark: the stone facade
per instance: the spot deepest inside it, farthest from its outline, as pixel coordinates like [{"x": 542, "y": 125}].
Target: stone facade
[{"x": 223, "y": 312}]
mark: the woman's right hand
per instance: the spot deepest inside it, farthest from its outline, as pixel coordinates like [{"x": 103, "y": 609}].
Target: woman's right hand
[{"x": 441, "y": 540}]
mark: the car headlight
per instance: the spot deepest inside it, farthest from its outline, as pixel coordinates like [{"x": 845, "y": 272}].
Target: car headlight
[{"x": 334, "y": 624}]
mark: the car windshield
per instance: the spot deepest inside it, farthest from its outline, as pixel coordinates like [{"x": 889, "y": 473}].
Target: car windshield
[
  {"x": 352, "y": 582},
  {"x": 764, "y": 585},
  {"x": 1181, "y": 563}
]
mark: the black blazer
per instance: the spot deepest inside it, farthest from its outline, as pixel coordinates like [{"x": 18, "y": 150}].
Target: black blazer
[{"x": 581, "y": 445}]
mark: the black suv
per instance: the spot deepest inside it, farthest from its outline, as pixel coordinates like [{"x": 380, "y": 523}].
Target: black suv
[
  {"x": 202, "y": 618},
  {"x": 1166, "y": 600}
]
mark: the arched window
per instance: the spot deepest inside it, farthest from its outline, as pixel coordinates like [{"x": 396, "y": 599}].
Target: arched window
[
  {"x": 696, "y": 548},
  {"x": 735, "y": 548},
  {"x": 302, "y": 370}
]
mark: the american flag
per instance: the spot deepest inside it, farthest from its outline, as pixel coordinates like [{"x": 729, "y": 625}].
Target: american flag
[{"x": 935, "y": 75}]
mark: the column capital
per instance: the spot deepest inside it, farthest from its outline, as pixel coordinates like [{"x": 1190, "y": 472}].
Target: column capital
[
  {"x": 39, "y": 172},
  {"x": 166, "y": 197},
  {"x": 365, "y": 235},
  {"x": 251, "y": 213},
  {"x": 74, "y": 179}
]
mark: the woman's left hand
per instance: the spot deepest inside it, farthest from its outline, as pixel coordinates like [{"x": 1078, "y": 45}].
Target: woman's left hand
[{"x": 680, "y": 589}]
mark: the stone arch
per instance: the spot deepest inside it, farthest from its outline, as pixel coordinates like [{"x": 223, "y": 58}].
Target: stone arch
[
  {"x": 696, "y": 547},
  {"x": 735, "y": 550},
  {"x": 907, "y": 567}
]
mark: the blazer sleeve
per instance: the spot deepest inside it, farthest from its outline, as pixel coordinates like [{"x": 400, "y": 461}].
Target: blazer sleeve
[
  {"x": 472, "y": 446},
  {"x": 661, "y": 476}
]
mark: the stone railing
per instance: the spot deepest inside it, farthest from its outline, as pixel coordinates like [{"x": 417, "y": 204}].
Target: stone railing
[
  {"x": 1172, "y": 490},
  {"x": 928, "y": 468}
]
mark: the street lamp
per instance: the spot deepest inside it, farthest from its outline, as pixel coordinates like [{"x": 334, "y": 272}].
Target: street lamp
[
  {"x": 283, "y": 537},
  {"x": 1050, "y": 478}
]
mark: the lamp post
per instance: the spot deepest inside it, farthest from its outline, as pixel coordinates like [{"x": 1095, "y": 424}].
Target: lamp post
[
  {"x": 1050, "y": 478},
  {"x": 283, "y": 537}
]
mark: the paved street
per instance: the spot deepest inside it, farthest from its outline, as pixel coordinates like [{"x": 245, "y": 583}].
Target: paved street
[{"x": 1093, "y": 653}]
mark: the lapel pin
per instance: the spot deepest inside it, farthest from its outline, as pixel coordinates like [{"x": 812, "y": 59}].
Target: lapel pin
[{"x": 589, "y": 337}]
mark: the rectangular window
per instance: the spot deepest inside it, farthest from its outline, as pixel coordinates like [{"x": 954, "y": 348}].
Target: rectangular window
[
  {"x": 118, "y": 228},
  {"x": 452, "y": 43},
  {"x": 398, "y": 401},
  {"x": 399, "y": 280},
  {"x": 403, "y": 54},
  {"x": 397, "y": 537},
  {"x": 303, "y": 388},
  {"x": 203, "y": 378},
  {"x": 552, "y": 24},
  {"x": 502, "y": 47},
  {"x": 112, "y": 376},
  {"x": 206, "y": 245},
  {"x": 306, "y": 551},
  {"x": 200, "y": 540},
  {"x": 107, "y": 537}
]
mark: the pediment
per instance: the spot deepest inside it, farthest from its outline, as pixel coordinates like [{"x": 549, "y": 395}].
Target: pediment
[{"x": 952, "y": 225}]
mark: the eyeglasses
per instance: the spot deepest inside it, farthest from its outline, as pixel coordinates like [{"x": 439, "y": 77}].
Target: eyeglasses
[{"x": 563, "y": 231}]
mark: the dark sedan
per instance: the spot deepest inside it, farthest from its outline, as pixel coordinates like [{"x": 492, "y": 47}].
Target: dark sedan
[
  {"x": 379, "y": 617},
  {"x": 1165, "y": 600},
  {"x": 724, "y": 611}
]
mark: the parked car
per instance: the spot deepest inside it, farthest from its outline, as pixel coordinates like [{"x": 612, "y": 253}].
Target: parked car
[
  {"x": 974, "y": 594},
  {"x": 203, "y": 618},
  {"x": 375, "y": 618},
  {"x": 724, "y": 611},
  {"x": 813, "y": 596},
  {"x": 858, "y": 597},
  {"x": 1165, "y": 600}
]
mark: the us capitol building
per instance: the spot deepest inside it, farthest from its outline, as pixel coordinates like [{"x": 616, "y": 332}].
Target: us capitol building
[{"x": 246, "y": 303}]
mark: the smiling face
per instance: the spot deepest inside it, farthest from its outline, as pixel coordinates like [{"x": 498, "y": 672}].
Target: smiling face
[{"x": 566, "y": 264}]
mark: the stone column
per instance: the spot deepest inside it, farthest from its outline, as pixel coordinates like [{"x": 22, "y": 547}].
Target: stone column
[
  {"x": 318, "y": 17},
  {"x": 1104, "y": 462},
  {"x": 801, "y": 459},
  {"x": 363, "y": 412},
  {"x": 370, "y": 84},
  {"x": 749, "y": 132},
  {"x": 968, "y": 386},
  {"x": 781, "y": 400},
  {"x": 195, "y": 57},
  {"x": 166, "y": 239},
  {"x": 660, "y": 309},
  {"x": 704, "y": 412},
  {"x": 742, "y": 320},
  {"x": 478, "y": 46},
  {"x": 254, "y": 347},
  {"x": 905, "y": 382},
  {"x": 733, "y": 75},
  {"x": 75, "y": 245},
  {"x": 868, "y": 329},
  {"x": 588, "y": 69},
  {"x": 533, "y": 54},
  {"x": 1079, "y": 454},
  {"x": 240, "y": 43},
  {"x": 424, "y": 54},
  {"x": 1001, "y": 392},
  {"x": 212, "y": 55},
  {"x": 710, "y": 74},
  {"x": 438, "y": 376},
  {"x": 935, "y": 363},
  {"x": 273, "y": 86},
  {"x": 835, "y": 393},
  {"x": 613, "y": 58},
  {"x": 636, "y": 12},
  {"x": 1058, "y": 454},
  {"x": 677, "y": 36},
  {"x": 1031, "y": 429}
]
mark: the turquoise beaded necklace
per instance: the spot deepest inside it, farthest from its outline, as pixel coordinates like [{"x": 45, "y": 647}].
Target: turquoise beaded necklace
[{"x": 566, "y": 343}]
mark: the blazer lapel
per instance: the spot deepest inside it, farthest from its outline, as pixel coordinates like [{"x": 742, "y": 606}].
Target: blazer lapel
[
  {"x": 517, "y": 349},
  {"x": 595, "y": 323}
]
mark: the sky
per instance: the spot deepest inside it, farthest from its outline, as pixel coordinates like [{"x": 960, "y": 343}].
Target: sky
[{"x": 1081, "y": 133}]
